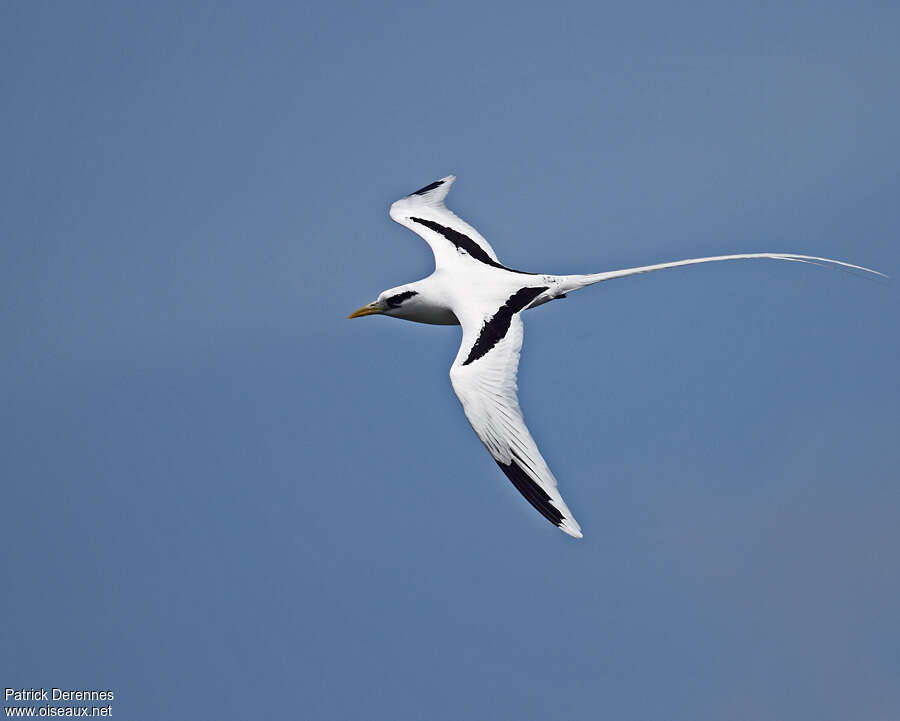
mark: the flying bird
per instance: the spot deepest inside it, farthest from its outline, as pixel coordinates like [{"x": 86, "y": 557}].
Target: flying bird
[{"x": 470, "y": 287}]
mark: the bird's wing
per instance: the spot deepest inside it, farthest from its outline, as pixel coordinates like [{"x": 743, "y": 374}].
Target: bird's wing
[
  {"x": 484, "y": 379},
  {"x": 449, "y": 236}
]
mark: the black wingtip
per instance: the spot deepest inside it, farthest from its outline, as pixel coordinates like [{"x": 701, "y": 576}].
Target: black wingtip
[
  {"x": 428, "y": 188},
  {"x": 533, "y": 493}
]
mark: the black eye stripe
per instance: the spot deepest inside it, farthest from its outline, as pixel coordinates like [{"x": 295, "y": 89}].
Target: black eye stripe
[{"x": 395, "y": 300}]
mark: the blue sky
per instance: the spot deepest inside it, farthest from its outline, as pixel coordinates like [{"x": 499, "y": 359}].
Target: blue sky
[{"x": 221, "y": 498}]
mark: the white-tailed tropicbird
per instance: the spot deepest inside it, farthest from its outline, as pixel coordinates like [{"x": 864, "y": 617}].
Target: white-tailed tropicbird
[{"x": 470, "y": 287}]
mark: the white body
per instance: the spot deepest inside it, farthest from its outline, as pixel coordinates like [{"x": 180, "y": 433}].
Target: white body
[{"x": 470, "y": 287}]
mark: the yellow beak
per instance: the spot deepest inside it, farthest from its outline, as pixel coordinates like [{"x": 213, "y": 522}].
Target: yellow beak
[{"x": 366, "y": 310}]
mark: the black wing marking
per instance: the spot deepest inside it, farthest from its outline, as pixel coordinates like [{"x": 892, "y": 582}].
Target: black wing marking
[
  {"x": 463, "y": 241},
  {"x": 497, "y": 327},
  {"x": 533, "y": 493},
  {"x": 428, "y": 188}
]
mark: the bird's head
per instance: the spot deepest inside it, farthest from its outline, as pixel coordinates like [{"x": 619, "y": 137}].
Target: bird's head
[{"x": 389, "y": 302}]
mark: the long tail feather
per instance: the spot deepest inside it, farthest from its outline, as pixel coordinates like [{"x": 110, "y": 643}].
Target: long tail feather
[{"x": 580, "y": 281}]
